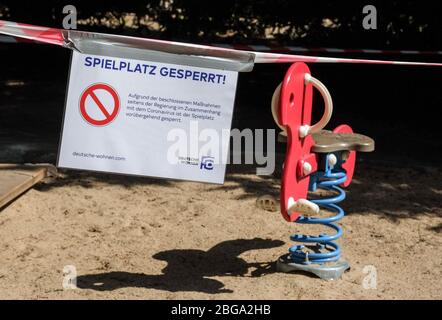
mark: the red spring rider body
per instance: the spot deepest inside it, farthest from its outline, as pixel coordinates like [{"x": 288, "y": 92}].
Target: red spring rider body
[{"x": 315, "y": 158}]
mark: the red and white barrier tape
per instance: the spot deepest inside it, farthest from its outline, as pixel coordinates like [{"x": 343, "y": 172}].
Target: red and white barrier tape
[
  {"x": 282, "y": 49},
  {"x": 287, "y": 49},
  {"x": 63, "y": 38}
]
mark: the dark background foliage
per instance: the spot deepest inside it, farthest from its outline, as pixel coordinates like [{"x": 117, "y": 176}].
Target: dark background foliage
[{"x": 401, "y": 24}]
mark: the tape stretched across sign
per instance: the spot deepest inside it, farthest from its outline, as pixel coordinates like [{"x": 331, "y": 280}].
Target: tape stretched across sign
[
  {"x": 147, "y": 118},
  {"x": 166, "y": 51}
]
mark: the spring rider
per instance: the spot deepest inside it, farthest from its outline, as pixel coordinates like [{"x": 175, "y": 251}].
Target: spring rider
[{"x": 315, "y": 159}]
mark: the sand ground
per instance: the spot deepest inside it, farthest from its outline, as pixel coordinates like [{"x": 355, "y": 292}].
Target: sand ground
[{"x": 138, "y": 238}]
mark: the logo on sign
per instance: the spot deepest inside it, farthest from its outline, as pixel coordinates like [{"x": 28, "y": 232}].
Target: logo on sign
[
  {"x": 207, "y": 163},
  {"x": 99, "y": 104}
]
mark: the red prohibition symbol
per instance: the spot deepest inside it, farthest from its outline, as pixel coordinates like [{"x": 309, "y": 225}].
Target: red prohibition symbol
[{"x": 109, "y": 111}]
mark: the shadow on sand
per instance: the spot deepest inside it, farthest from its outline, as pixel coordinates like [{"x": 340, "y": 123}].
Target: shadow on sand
[{"x": 190, "y": 269}]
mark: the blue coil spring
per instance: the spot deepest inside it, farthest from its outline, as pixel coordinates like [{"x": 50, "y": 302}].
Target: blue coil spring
[{"x": 326, "y": 249}]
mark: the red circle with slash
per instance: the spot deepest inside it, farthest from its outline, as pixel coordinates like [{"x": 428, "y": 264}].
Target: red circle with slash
[{"x": 109, "y": 111}]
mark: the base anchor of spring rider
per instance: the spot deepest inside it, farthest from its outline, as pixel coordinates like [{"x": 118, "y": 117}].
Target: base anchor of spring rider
[{"x": 325, "y": 271}]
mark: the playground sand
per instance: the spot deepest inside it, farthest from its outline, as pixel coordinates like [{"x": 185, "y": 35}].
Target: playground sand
[{"x": 138, "y": 238}]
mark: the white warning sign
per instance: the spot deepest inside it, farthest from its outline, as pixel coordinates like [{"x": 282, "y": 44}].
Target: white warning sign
[{"x": 145, "y": 118}]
